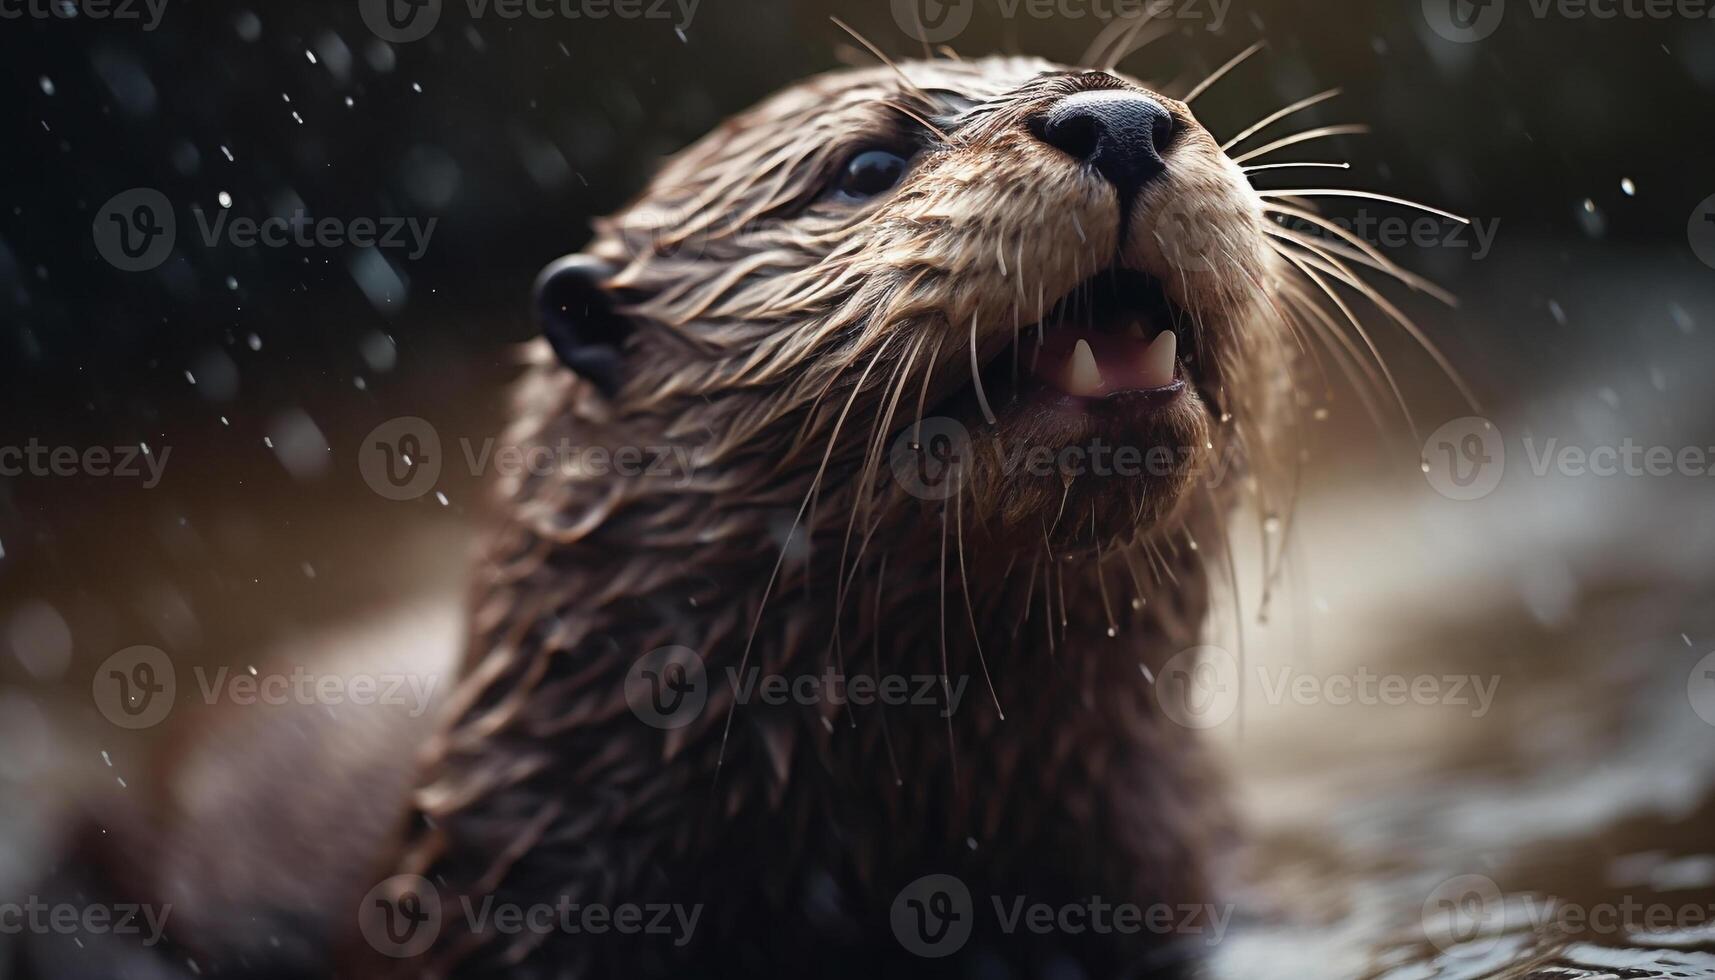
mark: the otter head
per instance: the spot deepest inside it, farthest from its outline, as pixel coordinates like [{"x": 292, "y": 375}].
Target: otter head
[{"x": 1040, "y": 294}]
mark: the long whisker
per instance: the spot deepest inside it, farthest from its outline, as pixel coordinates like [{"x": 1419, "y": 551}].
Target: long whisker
[
  {"x": 1347, "y": 356},
  {"x": 1320, "y": 132},
  {"x": 768, "y": 590},
  {"x": 875, "y": 625},
  {"x": 1278, "y": 115},
  {"x": 977, "y": 375},
  {"x": 1344, "y": 272},
  {"x": 1215, "y": 76},
  {"x": 970, "y": 612},
  {"x": 1304, "y": 265},
  {"x": 1132, "y": 43},
  {"x": 1366, "y": 195},
  {"x": 1106, "y": 37},
  {"x": 1305, "y": 163},
  {"x": 1364, "y": 254},
  {"x": 884, "y": 59}
]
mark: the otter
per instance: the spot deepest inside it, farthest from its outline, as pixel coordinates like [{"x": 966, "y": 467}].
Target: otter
[
  {"x": 1003, "y": 254},
  {"x": 875, "y": 311}
]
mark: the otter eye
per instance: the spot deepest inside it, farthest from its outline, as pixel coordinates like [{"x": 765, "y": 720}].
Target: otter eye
[{"x": 868, "y": 174}]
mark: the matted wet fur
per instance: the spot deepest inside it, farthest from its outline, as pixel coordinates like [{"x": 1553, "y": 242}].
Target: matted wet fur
[
  {"x": 793, "y": 341},
  {"x": 810, "y": 357}
]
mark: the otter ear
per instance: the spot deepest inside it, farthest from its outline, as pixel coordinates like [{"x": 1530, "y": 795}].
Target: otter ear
[{"x": 575, "y": 310}]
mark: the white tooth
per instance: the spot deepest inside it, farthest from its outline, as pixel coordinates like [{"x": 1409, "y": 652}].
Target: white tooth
[
  {"x": 1082, "y": 375},
  {"x": 1157, "y": 364}
]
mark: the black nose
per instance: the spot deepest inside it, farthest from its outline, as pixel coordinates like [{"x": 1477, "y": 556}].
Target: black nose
[{"x": 1119, "y": 133}]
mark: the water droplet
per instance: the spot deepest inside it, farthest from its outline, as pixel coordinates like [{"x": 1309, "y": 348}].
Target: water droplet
[
  {"x": 1628, "y": 188},
  {"x": 1112, "y": 631},
  {"x": 47, "y": 85},
  {"x": 442, "y": 498},
  {"x": 1271, "y": 524},
  {"x": 225, "y": 199}
]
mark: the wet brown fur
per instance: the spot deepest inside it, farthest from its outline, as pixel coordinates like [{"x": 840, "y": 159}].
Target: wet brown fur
[{"x": 791, "y": 341}]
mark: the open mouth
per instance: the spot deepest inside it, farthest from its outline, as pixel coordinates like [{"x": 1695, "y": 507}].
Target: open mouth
[{"x": 1116, "y": 334}]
